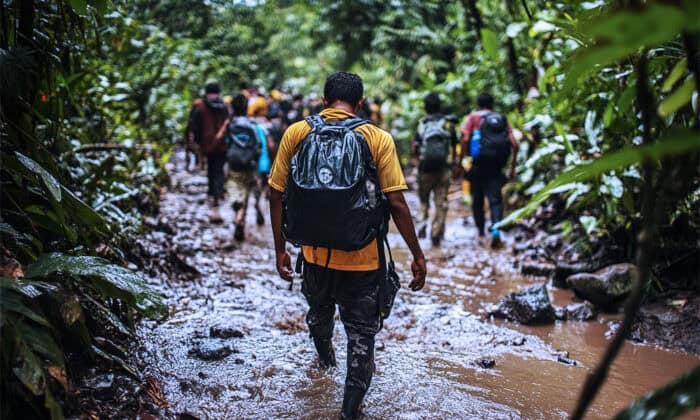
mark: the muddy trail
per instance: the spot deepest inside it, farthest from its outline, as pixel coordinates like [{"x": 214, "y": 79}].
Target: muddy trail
[{"x": 236, "y": 346}]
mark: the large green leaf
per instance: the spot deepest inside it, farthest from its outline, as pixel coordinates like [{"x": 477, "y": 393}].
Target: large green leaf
[
  {"x": 79, "y": 6},
  {"x": 675, "y": 75},
  {"x": 680, "y": 142},
  {"x": 489, "y": 40},
  {"x": 622, "y": 32},
  {"x": 668, "y": 402},
  {"x": 109, "y": 279},
  {"x": 52, "y": 185},
  {"x": 11, "y": 301},
  {"x": 678, "y": 98}
]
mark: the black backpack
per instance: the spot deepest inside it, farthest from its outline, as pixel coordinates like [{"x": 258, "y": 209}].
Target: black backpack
[
  {"x": 243, "y": 145},
  {"x": 495, "y": 145},
  {"x": 435, "y": 144},
  {"x": 333, "y": 198}
]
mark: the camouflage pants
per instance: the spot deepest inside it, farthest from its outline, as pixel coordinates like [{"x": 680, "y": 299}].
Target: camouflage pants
[
  {"x": 241, "y": 184},
  {"x": 439, "y": 184},
  {"x": 355, "y": 293}
]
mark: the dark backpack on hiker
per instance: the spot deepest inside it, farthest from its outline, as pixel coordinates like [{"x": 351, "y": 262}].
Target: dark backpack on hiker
[
  {"x": 333, "y": 198},
  {"x": 495, "y": 146},
  {"x": 243, "y": 145},
  {"x": 435, "y": 144}
]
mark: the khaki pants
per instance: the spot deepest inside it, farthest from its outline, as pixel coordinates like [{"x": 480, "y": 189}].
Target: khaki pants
[{"x": 439, "y": 183}]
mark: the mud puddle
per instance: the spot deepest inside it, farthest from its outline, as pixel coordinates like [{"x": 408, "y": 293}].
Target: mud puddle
[{"x": 236, "y": 345}]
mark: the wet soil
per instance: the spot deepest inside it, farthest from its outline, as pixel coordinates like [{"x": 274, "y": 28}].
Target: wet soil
[{"x": 236, "y": 345}]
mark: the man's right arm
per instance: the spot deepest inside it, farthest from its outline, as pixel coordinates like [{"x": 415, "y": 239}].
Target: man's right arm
[
  {"x": 284, "y": 260},
  {"x": 404, "y": 223}
]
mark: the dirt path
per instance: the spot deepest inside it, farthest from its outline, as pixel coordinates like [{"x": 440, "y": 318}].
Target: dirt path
[{"x": 236, "y": 346}]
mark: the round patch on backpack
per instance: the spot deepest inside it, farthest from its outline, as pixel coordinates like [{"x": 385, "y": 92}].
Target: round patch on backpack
[{"x": 325, "y": 175}]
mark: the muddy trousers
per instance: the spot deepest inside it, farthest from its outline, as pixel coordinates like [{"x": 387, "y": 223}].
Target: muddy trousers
[
  {"x": 438, "y": 183},
  {"x": 488, "y": 187},
  {"x": 355, "y": 293},
  {"x": 215, "y": 174}
]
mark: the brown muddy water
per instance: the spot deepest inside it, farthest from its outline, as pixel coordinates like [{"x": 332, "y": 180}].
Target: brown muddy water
[{"x": 427, "y": 354}]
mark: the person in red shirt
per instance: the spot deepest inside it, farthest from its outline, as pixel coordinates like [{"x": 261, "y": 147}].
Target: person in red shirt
[{"x": 486, "y": 176}]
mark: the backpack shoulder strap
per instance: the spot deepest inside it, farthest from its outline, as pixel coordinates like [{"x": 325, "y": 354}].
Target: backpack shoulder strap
[
  {"x": 315, "y": 121},
  {"x": 353, "y": 122}
]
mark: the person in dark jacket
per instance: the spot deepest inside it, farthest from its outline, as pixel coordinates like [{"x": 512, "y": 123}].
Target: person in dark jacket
[{"x": 207, "y": 116}]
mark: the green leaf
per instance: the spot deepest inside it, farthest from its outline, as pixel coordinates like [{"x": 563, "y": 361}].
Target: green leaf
[
  {"x": 109, "y": 279},
  {"x": 52, "y": 185},
  {"x": 99, "y": 5},
  {"x": 678, "y": 98},
  {"x": 11, "y": 301},
  {"x": 30, "y": 371},
  {"x": 623, "y": 32},
  {"x": 489, "y": 41},
  {"x": 38, "y": 339},
  {"x": 668, "y": 402},
  {"x": 675, "y": 75},
  {"x": 625, "y": 101},
  {"x": 78, "y": 6},
  {"x": 682, "y": 141}
]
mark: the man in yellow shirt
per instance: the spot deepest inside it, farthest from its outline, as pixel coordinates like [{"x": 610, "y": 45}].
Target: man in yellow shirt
[{"x": 346, "y": 278}]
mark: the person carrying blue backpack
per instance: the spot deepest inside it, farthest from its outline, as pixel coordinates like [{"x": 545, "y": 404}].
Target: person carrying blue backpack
[
  {"x": 488, "y": 138},
  {"x": 245, "y": 141}
]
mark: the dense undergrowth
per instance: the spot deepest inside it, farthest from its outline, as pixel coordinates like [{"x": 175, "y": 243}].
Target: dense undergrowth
[{"x": 95, "y": 95}]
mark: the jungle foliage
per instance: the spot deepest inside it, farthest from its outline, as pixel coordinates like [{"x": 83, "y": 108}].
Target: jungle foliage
[{"x": 95, "y": 94}]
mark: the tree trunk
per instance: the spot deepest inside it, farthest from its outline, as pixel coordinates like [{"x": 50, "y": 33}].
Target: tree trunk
[{"x": 475, "y": 21}]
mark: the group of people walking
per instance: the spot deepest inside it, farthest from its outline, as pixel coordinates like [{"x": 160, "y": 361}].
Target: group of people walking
[{"x": 335, "y": 182}]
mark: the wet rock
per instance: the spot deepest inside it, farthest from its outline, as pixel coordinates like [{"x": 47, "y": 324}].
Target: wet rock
[
  {"x": 564, "y": 358},
  {"x": 239, "y": 361},
  {"x": 676, "y": 327},
  {"x": 528, "y": 306},
  {"x": 187, "y": 416},
  {"x": 534, "y": 268},
  {"x": 486, "y": 362},
  {"x": 560, "y": 314},
  {"x": 606, "y": 287},
  {"x": 552, "y": 242},
  {"x": 225, "y": 331},
  {"x": 101, "y": 386},
  {"x": 210, "y": 351},
  {"x": 583, "y": 311},
  {"x": 518, "y": 341}
]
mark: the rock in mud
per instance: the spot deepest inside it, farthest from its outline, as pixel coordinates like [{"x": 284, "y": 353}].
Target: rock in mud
[
  {"x": 210, "y": 351},
  {"x": 528, "y": 306},
  {"x": 607, "y": 287},
  {"x": 225, "y": 331},
  {"x": 102, "y": 386},
  {"x": 564, "y": 358},
  {"x": 583, "y": 311},
  {"x": 669, "y": 326},
  {"x": 534, "y": 268},
  {"x": 486, "y": 362}
]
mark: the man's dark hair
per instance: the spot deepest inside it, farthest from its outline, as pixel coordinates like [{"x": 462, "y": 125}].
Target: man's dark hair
[
  {"x": 484, "y": 101},
  {"x": 212, "y": 87},
  {"x": 343, "y": 86},
  {"x": 240, "y": 105},
  {"x": 432, "y": 103}
]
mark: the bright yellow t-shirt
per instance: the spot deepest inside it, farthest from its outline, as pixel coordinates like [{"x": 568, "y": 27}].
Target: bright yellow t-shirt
[{"x": 391, "y": 178}]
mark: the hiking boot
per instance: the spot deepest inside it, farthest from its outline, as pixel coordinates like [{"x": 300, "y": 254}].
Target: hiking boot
[
  {"x": 496, "y": 242},
  {"x": 215, "y": 216},
  {"x": 239, "y": 233},
  {"x": 480, "y": 232},
  {"x": 436, "y": 242},
  {"x": 422, "y": 232},
  {"x": 326, "y": 354},
  {"x": 352, "y": 400}
]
